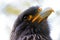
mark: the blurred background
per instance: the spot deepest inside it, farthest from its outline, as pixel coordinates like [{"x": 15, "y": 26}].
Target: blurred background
[{"x": 10, "y": 9}]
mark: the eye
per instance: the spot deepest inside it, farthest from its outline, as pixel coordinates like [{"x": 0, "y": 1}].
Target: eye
[{"x": 25, "y": 17}]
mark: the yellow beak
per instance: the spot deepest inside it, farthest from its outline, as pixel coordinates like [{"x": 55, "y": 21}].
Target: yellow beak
[{"x": 41, "y": 15}]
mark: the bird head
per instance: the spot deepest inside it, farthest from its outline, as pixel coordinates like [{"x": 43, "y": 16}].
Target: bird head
[
  {"x": 27, "y": 22},
  {"x": 36, "y": 14}
]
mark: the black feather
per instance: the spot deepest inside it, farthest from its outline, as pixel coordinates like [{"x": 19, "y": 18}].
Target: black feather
[{"x": 26, "y": 30}]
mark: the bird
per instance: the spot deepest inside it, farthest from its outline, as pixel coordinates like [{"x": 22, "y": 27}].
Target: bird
[{"x": 32, "y": 25}]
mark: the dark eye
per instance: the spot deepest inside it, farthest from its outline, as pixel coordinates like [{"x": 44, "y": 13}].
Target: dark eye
[{"x": 25, "y": 17}]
